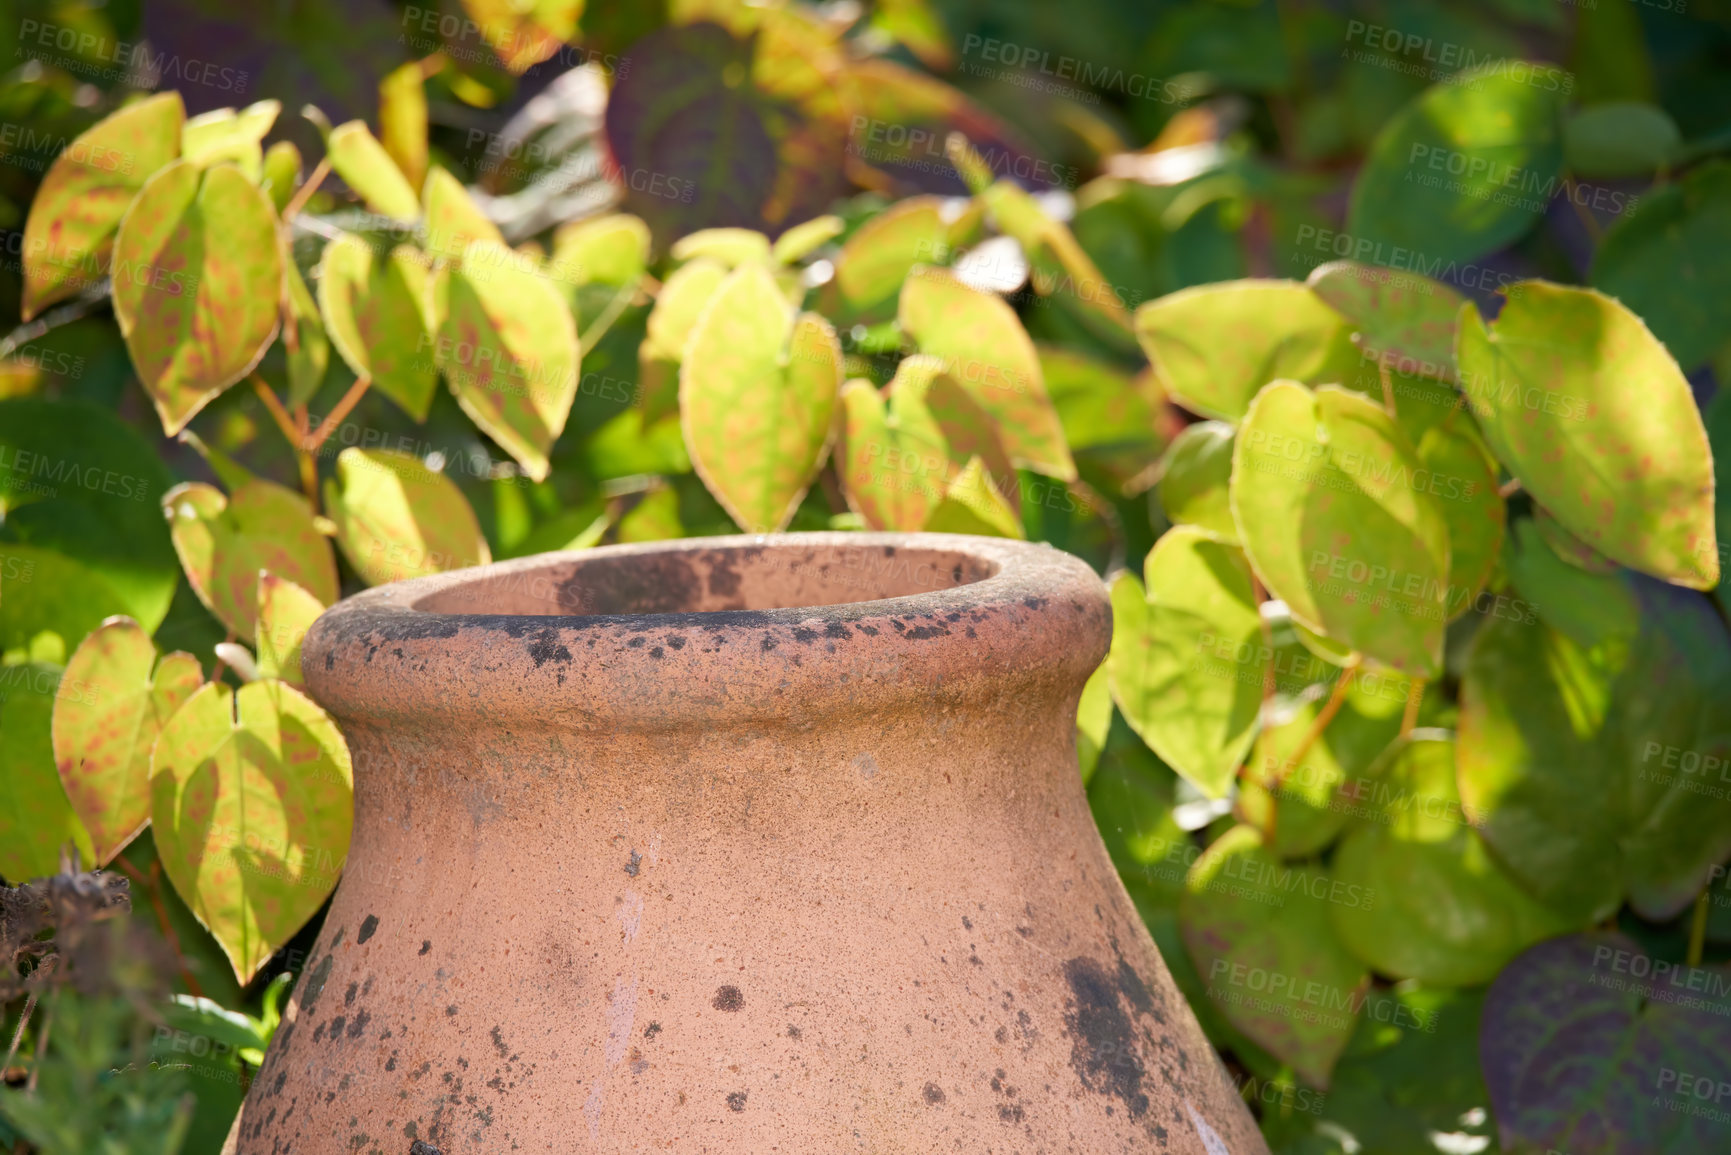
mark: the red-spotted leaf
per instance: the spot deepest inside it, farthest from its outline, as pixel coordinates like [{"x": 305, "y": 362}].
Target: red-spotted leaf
[
  {"x": 881, "y": 253},
  {"x": 198, "y": 278},
  {"x": 893, "y": 460},
  {"x": 252, "y": 800},
  {"x": 757, "y": 392},
  {"x": 1405, "y": 319},
  {"x": 224, "y": 542},
  {"x": 507, "y": 345},
  {"x": 113, "y": 700},
  {"x": 70, "y": 231},
  {"x": 285, "y": 613},
  {"x": 1628, "y": 471},
  {"x": 397, "y": 519},
  {"x": 377, "y": 310},
  {"x": 986, "y": 351},
  {"x": 36, "y": 820}
]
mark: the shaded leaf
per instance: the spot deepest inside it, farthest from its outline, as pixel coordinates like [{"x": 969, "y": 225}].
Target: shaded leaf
[
  {"x": 311, "y": 356},
  {"x": 49, "y": 603},
  {"x": 1110, "y": 419},
  {"x": 1194, "y": 475},
  {"x": 252, "y": 803},
  {"x": 1619, "y": 139},
  {"x": 285, "y": 613},
  {"x": 397, "y": 519},
  {"x": 524, "y": 34},
  {"x": 36, "y": 820},
  {"x": 113, "y": 700}
]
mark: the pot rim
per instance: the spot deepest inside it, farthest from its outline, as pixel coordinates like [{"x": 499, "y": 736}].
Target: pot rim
[{"x": 1037, "y": 616}]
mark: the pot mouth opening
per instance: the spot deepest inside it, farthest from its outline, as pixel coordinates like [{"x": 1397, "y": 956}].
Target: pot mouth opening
[{"x": 679, "y": 579}]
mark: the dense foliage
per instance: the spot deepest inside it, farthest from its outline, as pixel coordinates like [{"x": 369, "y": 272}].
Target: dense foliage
[{"x": 1373, "y": 384}]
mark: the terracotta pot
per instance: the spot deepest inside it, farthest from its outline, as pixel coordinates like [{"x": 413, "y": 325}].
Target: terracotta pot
[{"x": 732, "y": 845}]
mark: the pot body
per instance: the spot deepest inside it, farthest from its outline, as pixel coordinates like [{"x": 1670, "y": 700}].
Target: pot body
[{"x": 739, "y": 845}]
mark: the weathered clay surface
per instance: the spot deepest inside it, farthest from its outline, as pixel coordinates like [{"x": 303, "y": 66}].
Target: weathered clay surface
[{"x": 728, "y": 846}]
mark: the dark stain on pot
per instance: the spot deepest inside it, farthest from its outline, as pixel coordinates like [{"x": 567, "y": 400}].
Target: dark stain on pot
[
  {"x": 804, "y": 636},
  {"x": 932, "y": 1094},
  {"x": 420, "y": 1148},
  {"x": 727, "y": 998},
  {"x": 358, "y": 1026},
  {"x": 651, "y": 1031},
  {"x": 315, "y": 983},
  {"x": 334, "y": 1028},
  {"x": 546, "y": 648},
  {"x": 349, "y": 995},
  {"x": 868, "y": 631},
  {"x": 426, "y": 945},
  {"x": 657, "y": 652},
  {"x": 499, "y": 1043},
  {"x": 723, "y": 578},
  {"x": 837, "y": 630},
  {"x": 736, "y": 1101},
  {"x": 675, "y": 641},
  {"x": 646, "y": 584},
  {"x": 451, "y": 1011},
  {"x": 769, "y": 642},
  {"x": 635, "y": 866},
  {"x": 1102, "y": 1049},
  {"x": 792, "y": 1031},
  {"x": 636, "y": 644}
]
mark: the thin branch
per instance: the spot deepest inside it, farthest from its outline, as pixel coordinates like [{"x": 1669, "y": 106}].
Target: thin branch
[
  {"x": 41, "y": 1049},
  {"x": 1336, "y": 699},
  {"x": 278, "y": 414},
  {"x": 598, "y": 327},
  {"x": 305, "y": 192},
  {"x": 1509, "y": 488},
  {"x": 44, "y": 969},
  {"x": 311, "y": 442},
  {"x": 1387, "y": 388},
  {"x": 77, "y": 310},
  {"x": 1414, "y": 698}
]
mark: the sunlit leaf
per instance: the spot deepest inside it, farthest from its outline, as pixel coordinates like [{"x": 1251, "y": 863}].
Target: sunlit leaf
[
  {"x": 377, "y": 311},
  {"x": 1404, "y": 319},
  {"x": 609, "y": 250},
  {"x": 728, "y": 247},
  {"x": 973, "y": 505},
  {"x": 403, "y": 121},
  {"x": 225, "y": 135},
  {"x": 525, "y": 32},
  {"x": 677, "y": 307},
  {"x": 880, "y": 254},
  {"x": 453, "y": 217},
  {"x": 36, "y": 820},
  {"x": 802, "y": 239},
  {"x": 365, "y": 166},
  {"x": 285, "y": 613},
  {"x": 1194, "y": 476},
  {"x": 311, "y": 356},
  {"x": 397, "y": 519}
]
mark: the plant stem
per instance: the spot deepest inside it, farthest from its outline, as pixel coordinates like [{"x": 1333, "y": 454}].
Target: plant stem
[
  {"x": 1698, "y": 926},
  {"x": 278, "y": 414},
  {"x": 1387, "y": 388},
  {"x": 295, "y": 432},
  {"x": 311, "y": 442},
  {"x": 1509, "y": 488},
  {"x": 305, "y": 192},
  {"x": 1414, "y": 698},
  {"x": 598, "y": 327},
  {"x": 64, "y": 315},
  {"x": 1336, "y": 699},
  {"x": 46, "y": 968},
  {"x": 41, "y": 1048}
]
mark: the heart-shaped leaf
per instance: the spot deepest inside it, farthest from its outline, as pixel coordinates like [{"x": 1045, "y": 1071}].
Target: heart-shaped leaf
[
  {"x": 894, "y": 461},
  {"x": 1194, "y": 477},
  {"x": 377, "y": 312},
  {"x": 973, "y": 505},
  {"x": 113, "y": 700},
  {"x": 803, "y": 239},
  {"x": 70, "y": 231},
  {"x": 365, "y": 166},
  {"x": 453, "y": 217},
  {"x": 1324, "y": 497},
  {"x": 757, "y": 394},
  {"x": 1214, "y": 346},
  {"x": 1627, "y": 471},
  {"x": 877, "y": 258},
  {"x": 285, "y": 613},
  {"x": 36, "y": 820},
  {"x": 1598, "y": 766},
  {"x": 677, "y": 307},
  {"x": 1401, "y": 318},
  {"x": 397, "y": 519},
  {"x": 1449, "y": 914},
  {"x": 508, "y": 348},
  {"x": 1259, "y": 933},
  {"x": 198, "y": 276},
  {"x": 78, "y": 480},
  {"x": 1465, "y": 169},
  {"x": 1590, "y": 1044},
  {"x": 1188, "y": 657},
  {"x": 609, "y": 250},
  {"x": 1619, "y": 139},
  {"x": 1662, "y": 263},
  {"x": 224, "y": 542},
  {"x": 986, "y": 351},
  {"x": 252, "y": 802},
  {"x": 225, "y": 135}
]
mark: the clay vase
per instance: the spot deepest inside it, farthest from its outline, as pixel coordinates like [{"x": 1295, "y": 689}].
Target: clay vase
[{"x": 737, "y": 845}]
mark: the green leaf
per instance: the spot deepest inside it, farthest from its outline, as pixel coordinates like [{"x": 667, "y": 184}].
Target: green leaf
[
  {"x": 1587, "y": 607},
  {"x": 1194, "y": 476},
  {"x": 225, "y": 135},
  {"x": 36, "y": 820},
  {"x": 49, "y": 603},
  {"x": 1661, "y": 261},
  {"x": 877, "y": 258},
  {"x": 680, "y": 303},
  {"x": 608, "y": 250},
  {"x": 1627, "y": 471},
  {"x": 224, "y": 542},
  {"x": 1093, "y": 718},
  {"x": 802, "y": 239},
  {"x": 377, "y": 311},
  {"x": 453, "y": 217},
  {"x": 365, "y": 166},
  {"x": 1110, "y": 419},
  {"x": 1466, "y": 168},
  {"x": 1327, "y": 506},
  {"x": 986, "y": 351},
  {"x": 1259, "y": 933},
  {"x": 1449, "y": 915},
  {"x": 1058, "y": 265},
  {"x": 113, "y": 700},
  {"x": 757, "y": 394},
  {"x": 70, "y": 231},
  {"x": 285, "y": 613},
  {"x": 973, "y": 505},
  {"x": 893, "y": 460},
  {"x": 79, "y": 481},
  {"x": 1405, "y": 320},
  {"x": 1214, "y": 346},
  {"x": 1596, "y": 761},
  {"x": 252, "y": 800},
  {"x": 198, "y": 276},
  {"x": 507, "y": 345},
  {"x": 397, "y": 519},
  {"x": 1131, "y": 795},
  {"x": 281, "y": 174},
  {"x": 1568, "y": 547},
  {"x": 729, "y": 248},
  {"x": 1458, "y": 473},
  {"x": 1619, "y": 139},
  {"x": 1188, "y": 656},
  {"x": 311, "y": 356}
]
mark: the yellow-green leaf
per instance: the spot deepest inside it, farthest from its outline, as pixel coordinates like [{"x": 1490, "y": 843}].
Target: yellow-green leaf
[
  {"x": 973, "y": 505},
  {"x": 376, "y": 310},
  {"x": 525, "y": 32},
  {"x": 453, "y": 217},
  {"x": 252, "y": 799},
  {"x": 36, "y": 820},
  {"x": 365, "y": 166},
  {"x": 113, "y": 700},
  {"x": 311, "y": 356},
  {"x": 223, "y": 134},
  {"x": 877, "y": 259},
  {"x": 801, "y": 239},
  {"x": 729, "y": 247},
  {"x": 285, "y": 613},
  {"x": 398, "y": 519},
  {"x": 403, "y": 120},
  {"x": 608, "y": 250}
]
